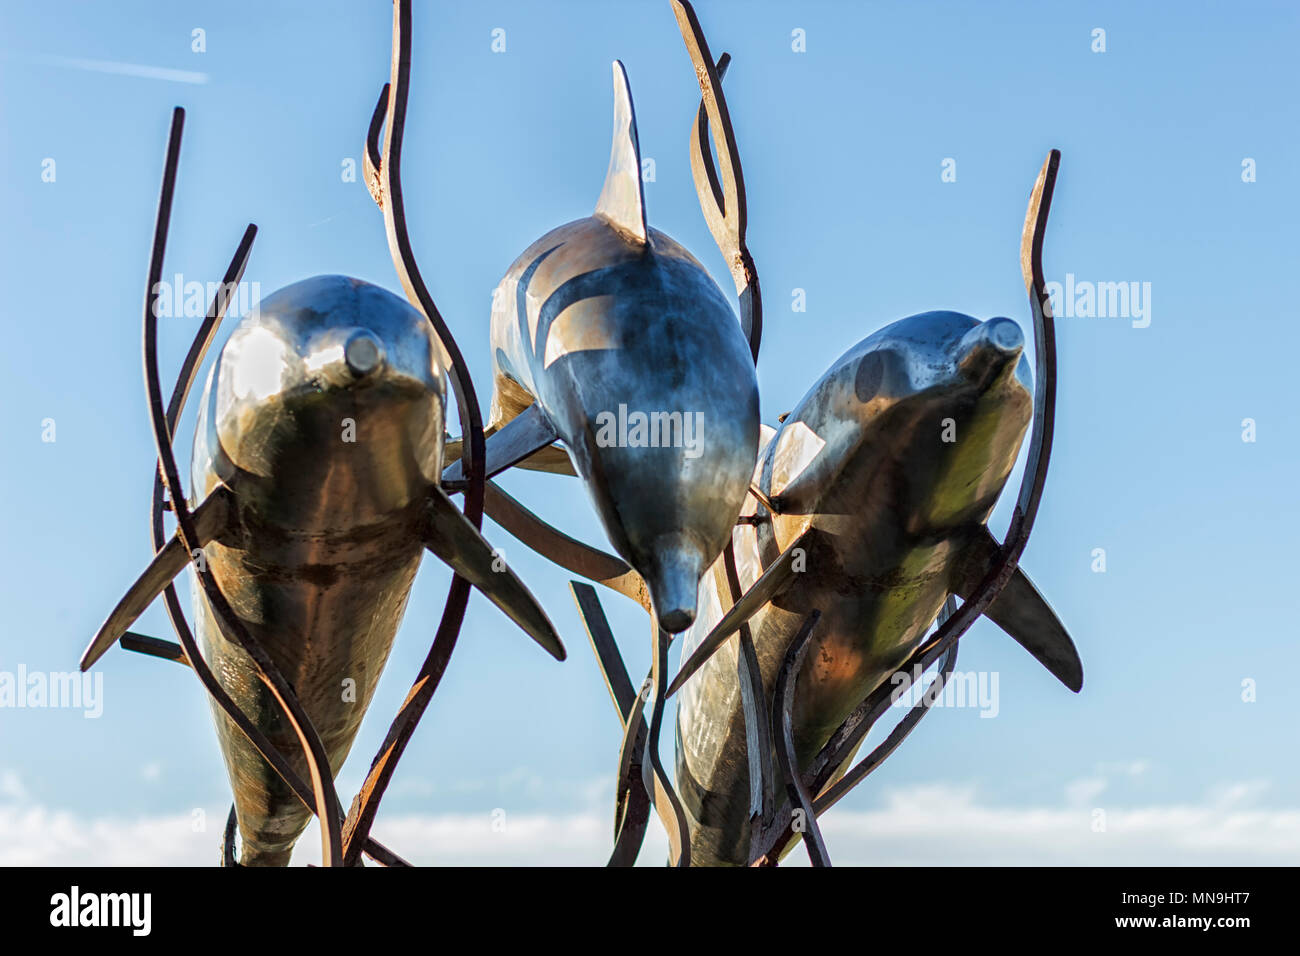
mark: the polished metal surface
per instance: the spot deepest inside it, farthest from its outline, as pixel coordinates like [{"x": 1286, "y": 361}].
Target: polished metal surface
[
  {"x": 320, "y": 473},
  {"x": 330, "y": 459},
  {"x": 261, "y": 415},
  {"x": 636, "y": 360},
  {"x": 862, "y": 463}
]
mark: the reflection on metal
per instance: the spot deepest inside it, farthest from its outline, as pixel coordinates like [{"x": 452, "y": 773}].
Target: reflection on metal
[
  {"x": 818, "y": 484},
  {"x": 272, "y": 538},
  {"x": 325, "y": 799},
  {"x": 615, "y": 336},
  {"x": 827, "y": 547},
  {"x": 878, "y": 571}
]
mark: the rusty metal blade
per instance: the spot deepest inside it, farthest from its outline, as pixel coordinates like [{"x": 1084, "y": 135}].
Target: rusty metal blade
[
  {"x": 527, "y": 432},
  {"x": 631, "y": 802},
  {"x": 722, "y": 197},
  {"x": 569, "y": 553},
  {"x": 608, "y": 657},
  {"x": 777, "y": 574},
  {"x": 384, "y": 181},
  {"x": 783, "y": 706},
  {"x": 154, "y": 647}
]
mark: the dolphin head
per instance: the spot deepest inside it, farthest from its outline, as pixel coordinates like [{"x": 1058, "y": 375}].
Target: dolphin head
[
  {"x": 331, "y": 389},
  {"x": 923, "y": 418}
]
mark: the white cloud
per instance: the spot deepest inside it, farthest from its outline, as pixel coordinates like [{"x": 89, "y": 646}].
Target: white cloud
[
  {"x": 1128, "y": 768},
  {"x": 38, "y": 836},
  {"x": 11, "y": 787},
  {"x": 1085, "y": 790},
  {"x": 139, "y": 70},
  {"x": 926, "y": 825},
  {"x": 945, "y": 825}
]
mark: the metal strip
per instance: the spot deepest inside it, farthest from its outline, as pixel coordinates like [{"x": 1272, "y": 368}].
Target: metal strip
[
  {"x": 753, "y": 702},
  {"x": 383, "y": 178},
  {"x": 722, "y": 198},
  {"x": 783, "y": 710},
  {"x": 673, "y": 815},
  {"x": 832, "y": 794},
  {"x": 632, "y": 802},
  {"x": 559, "y": 548}
]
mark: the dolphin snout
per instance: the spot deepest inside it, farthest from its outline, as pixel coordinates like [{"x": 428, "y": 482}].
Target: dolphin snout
[
  {"x": 990, "y": 347},
  {"x": 343, "y": 357},
  {"x": 674, "y": 581},
  {"x": 363, "y": 353}
]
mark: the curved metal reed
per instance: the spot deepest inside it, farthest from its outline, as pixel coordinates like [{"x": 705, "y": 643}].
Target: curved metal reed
[
  {"x": 383, "y": 177},
  {"x": 783, "y": 709}
]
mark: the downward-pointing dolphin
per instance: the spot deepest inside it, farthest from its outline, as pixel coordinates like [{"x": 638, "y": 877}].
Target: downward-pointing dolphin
[{"x": 611, "y": 337}]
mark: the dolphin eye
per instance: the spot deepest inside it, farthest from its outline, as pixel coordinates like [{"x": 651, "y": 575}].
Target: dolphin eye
[{"x": 871, "y": 372}]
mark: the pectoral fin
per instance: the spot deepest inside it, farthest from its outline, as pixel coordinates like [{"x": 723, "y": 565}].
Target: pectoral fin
[
  {"x": 1023, "y": 613},
  {"x": 211, "y": 518},
  {"x": 457, "y": 542},
  {"x": 526, "y": 433}
]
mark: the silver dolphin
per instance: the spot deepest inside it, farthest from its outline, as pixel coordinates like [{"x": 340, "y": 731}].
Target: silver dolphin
[
  {"x": 317, "y": 457},
  {"x": 610, "y": 337},
  {"x": 873, "y": 497}
]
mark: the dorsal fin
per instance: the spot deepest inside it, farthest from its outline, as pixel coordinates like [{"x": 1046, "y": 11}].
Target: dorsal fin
[{"x": 622, "y": 201}]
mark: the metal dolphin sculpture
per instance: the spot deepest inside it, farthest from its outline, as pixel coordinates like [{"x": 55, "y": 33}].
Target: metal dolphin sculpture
[
  {"x": 875, "y": 492},
  {"x": 608, "y": 336},
  {"x": 316, "y": 468},
  {"x": 618, "y": 254}
]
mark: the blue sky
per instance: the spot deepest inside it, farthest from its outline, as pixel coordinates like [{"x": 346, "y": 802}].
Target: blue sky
[{"x": 843, "y": 147}]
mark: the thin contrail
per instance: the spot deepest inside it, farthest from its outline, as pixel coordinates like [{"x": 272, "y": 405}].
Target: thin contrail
[{"x": 138, "y": 70}]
